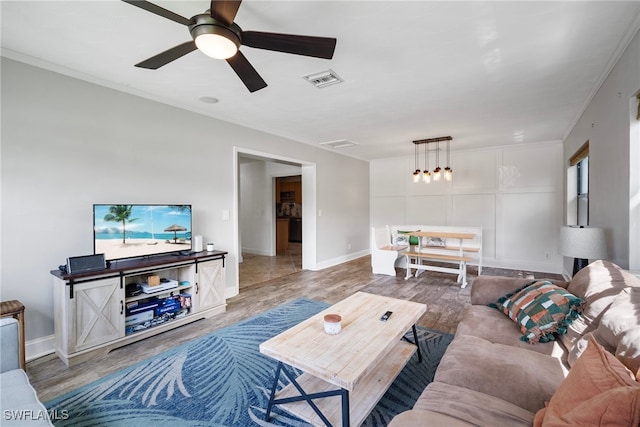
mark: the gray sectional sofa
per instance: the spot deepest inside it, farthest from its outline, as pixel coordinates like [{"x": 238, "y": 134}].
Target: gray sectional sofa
[
  {"x": 490, "y": 377},
  {"x": 18, "y": 400}
]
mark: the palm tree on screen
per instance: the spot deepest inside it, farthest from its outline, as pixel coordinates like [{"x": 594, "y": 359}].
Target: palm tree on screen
[{"x": 120, "y": 213}]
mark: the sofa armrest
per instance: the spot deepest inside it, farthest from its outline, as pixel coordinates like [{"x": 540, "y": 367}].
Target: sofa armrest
[
  {"x": 487, "y": 289},
  {"x": 9, "y": 344}
]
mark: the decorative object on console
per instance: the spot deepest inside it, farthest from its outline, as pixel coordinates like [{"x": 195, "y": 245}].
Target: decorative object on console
[
  {"x": 437, "y": 172},
  {"x": 197, "y": 243},
  {"x": 541, "y": 310},
  {"x": 582, "y": 243}
]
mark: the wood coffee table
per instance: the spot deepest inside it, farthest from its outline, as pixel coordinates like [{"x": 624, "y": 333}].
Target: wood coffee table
[{"x": 354, "y": 367}]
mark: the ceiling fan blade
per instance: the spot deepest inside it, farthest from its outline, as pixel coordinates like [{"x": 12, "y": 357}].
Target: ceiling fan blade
[
  {"x": 225, "y": 10},
  {"x": 319, "y": 47},
  {"x": 150, "y": 7},
  {"x": 246, "y": 72},
  {"x": 167, "y": 56}
]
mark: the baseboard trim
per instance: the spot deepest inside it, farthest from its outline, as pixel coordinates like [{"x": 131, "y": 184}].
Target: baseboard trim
[
  {"x": 40, "y": 347},
  {"x": 339, "y": 260}
]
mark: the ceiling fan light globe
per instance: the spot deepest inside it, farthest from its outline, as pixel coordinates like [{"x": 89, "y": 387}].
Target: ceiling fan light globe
[{"x": 216, "y": 46}]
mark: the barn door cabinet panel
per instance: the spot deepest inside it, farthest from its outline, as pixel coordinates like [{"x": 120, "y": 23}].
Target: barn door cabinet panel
[{"x": 210, "y": 285}]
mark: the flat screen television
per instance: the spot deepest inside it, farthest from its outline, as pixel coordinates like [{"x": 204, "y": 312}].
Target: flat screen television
[{"x": 132, "y": 231}]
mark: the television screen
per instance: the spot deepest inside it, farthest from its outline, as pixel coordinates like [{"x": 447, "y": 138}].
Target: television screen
[{"x": 129, "y": 231}]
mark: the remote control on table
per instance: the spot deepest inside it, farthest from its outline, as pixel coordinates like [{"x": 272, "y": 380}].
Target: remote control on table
[{"x": 386, "y": 316}]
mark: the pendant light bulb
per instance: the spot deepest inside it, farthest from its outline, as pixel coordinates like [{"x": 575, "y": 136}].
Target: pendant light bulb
[
  {"x": 448, "y": 173},
  {"x": 436, "y": 174}
]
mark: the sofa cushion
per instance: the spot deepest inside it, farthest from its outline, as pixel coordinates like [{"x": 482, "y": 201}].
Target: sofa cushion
[
  {"x": 421, "y": 418},
  {"x": 525, "y": 378},
  {"x": 472, "y": 406},
  {"x": 599, "y": 390},
  {"x": 598, "y": 284},
  {"x": 541, "y": 310},
  {"x": 618, "y": 330},
  {"x": 490, "y": 324}
]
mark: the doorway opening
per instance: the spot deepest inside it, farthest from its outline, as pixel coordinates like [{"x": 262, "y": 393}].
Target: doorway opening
[{"x": 259, "y": 210}]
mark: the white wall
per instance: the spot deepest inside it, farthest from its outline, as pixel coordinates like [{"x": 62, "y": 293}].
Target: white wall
[
  {"x": 513, "y": 192},
  {"x": 256, "y": 201},
  {"x": 67, "y": 144},
  {"x": 606, "y": 124}
]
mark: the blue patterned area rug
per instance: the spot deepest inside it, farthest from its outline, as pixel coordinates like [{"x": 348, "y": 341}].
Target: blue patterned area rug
[{"x": 222, "y": 379}]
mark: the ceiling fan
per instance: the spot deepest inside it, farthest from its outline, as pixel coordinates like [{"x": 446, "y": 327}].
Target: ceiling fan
[{"x": 216, "y": 35}]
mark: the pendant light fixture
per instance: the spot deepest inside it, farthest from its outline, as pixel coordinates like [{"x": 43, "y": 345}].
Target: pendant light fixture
[{"x": 437, "y": 172}]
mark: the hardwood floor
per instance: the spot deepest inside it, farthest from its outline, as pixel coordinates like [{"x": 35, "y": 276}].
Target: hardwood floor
[{"x": 444, "y": 298}]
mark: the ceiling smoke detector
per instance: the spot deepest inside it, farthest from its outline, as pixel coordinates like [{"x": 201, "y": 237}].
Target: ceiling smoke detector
[
  {"x": 341, "y": 143},
  {"x": 323, "y": 78}
]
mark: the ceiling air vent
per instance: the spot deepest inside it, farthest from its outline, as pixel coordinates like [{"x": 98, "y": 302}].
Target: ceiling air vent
[
  {"x": 323, "y": 78},
  {"x": 341, "y": 143}
]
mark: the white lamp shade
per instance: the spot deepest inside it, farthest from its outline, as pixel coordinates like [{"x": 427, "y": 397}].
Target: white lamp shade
[{"x": 583, "y": 242}]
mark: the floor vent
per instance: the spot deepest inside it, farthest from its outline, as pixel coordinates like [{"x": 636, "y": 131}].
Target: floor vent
[
  {"x": 323, "y": 78},
  {"x": 341, "y": 143}
]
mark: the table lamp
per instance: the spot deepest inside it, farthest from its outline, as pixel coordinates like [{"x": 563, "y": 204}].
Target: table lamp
[{"x": 582, "y": 243}]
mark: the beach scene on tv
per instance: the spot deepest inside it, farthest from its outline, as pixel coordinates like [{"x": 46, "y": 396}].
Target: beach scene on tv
[{"x": 126, "y": 231}]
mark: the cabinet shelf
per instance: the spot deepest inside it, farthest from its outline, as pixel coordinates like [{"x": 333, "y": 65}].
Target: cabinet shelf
[{"x": 93, "y": 313}]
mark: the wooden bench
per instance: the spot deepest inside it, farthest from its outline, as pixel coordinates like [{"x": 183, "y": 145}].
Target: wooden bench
[
  {"x": 424, "y": 252},
  {"x": 387, "y": 254}
]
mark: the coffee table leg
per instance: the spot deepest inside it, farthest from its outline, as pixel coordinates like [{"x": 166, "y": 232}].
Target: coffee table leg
[
  {"x": 346, "y": 422},
  {"x": 415, "y": 341},
  {"x": 307, "y": 397},
  {"x": 273, "y": 392}
]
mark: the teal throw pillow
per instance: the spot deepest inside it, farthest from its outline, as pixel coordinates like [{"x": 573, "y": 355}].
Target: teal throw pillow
[{"x": 542, "y": 310}]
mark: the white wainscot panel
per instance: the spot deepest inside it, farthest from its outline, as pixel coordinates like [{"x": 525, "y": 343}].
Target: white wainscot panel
[
  {"x": 529, "y": 232},
  {"x": 388, "y": 177},
  {"x": 531, "y": 168},
  {"x": 426, "y": 210},
  {"x": 387, "y": 211},
  {"x": 474, "y": 171},
  {"x": 477, "y": 211}
]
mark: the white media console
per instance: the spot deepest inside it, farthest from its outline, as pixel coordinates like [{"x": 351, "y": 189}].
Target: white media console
[{"x": 94, "y": 313}]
